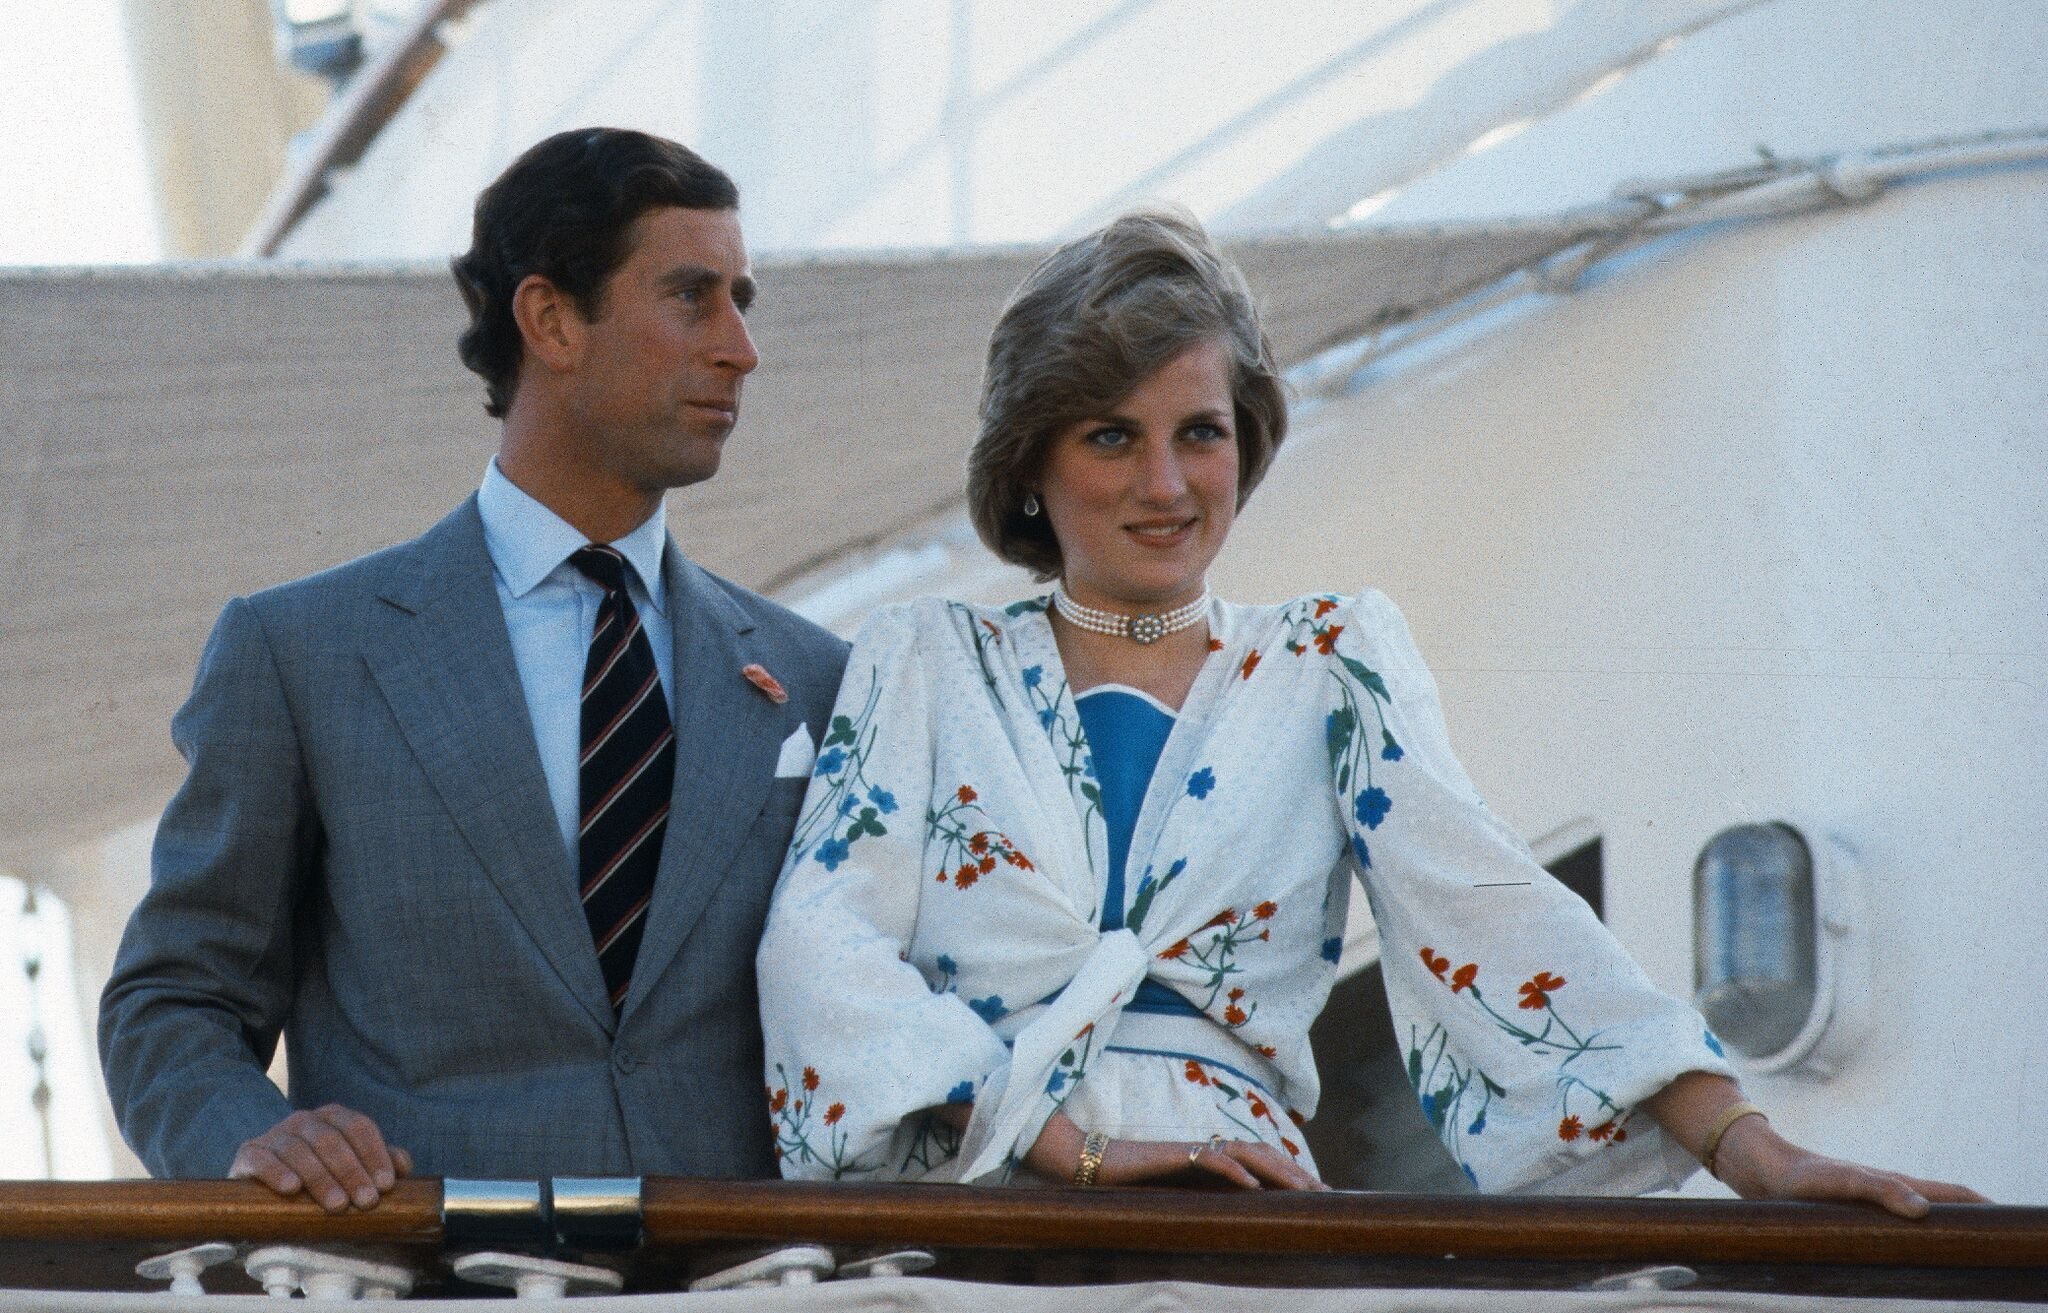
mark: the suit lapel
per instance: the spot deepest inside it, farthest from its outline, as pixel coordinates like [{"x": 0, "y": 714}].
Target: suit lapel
[
  {"x": 451, "y": 683},
  {"x": 727, "y": 738}
]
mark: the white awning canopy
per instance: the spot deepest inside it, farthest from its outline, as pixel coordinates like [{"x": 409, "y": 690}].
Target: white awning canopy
[{"x": 173, "y": 437}]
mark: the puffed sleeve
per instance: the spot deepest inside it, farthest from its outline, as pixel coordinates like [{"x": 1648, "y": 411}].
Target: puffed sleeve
[
  {"x": 858, "y": 1043},
  {"x": 1529, "y": 1034}
]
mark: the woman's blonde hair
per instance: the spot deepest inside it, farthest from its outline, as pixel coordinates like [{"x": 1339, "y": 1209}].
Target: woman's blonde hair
[{"x": 1095, "y": 319}]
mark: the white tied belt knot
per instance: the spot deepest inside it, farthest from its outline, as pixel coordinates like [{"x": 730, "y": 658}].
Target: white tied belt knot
[{"x": 1095, "y": 997}]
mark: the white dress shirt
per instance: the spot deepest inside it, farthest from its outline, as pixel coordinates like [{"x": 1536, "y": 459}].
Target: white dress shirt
[{"x": 550, "y": 611}]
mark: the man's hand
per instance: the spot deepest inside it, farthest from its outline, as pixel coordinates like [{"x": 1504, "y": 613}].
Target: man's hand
[{"x": 335, "y": 1154}]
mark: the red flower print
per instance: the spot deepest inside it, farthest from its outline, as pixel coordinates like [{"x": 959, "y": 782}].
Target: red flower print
[
  {"x": 1236, "y": 994},
  {"x": 1293, "y": 1149},
  {"x": 1215, "y": 645},
  {"x": 1257, "y": 1105},
  {"x": 834, "y": 1113},
  {"x": 1251, "y": 663},
  {"x": 1268, "y": 1051},
  {"x": 995, "y": 634},
  {"x": 810, "y": 1078},
  {"x": 1464, "y": 976},
  {"x": 1620, "y": 1134},
  {"x": 965, "y": 794},
  {"x": 987, "y": 864},
  {"x": 1296, "y": 1118},
  {"x": 777, "y": 1102},
  {"x": 1437, "y": 965},
  {"x": 1196, "y": 1074},
  {"x": 1179, "y": 947},
  {"x": 1018, "y": 860},
  {"x": 978, "y": 844},
  {"x": 1326, "y": 640},
  {"x": 1324, "y": 606},
  {"x": 1600, "y": 1133},
  {"x": 1264, "y": 911},
  {"x": 966, "y": 876},
  {"x": 1536, "y": 993},
  {"x": 1224, "y": 917},
  {"x": 1234, "y": 1015},
  {"x": 1568, "y": 1129}
]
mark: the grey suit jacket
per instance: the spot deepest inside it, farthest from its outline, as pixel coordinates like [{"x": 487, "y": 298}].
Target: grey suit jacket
[{"x": 364, "y": 857}]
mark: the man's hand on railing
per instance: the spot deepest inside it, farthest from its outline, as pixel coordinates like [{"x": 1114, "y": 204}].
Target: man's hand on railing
[{"x": 335, "y": 1154}]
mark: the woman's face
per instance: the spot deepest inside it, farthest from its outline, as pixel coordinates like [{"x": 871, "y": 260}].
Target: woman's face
[{"x": 1142, "y": 498}]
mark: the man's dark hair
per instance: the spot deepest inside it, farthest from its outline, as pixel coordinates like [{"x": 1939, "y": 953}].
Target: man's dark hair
[{"x": 563, "y": 210}]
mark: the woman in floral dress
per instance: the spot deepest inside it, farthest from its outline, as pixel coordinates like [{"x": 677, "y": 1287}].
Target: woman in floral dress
[{"x": 1070, "y": 882}]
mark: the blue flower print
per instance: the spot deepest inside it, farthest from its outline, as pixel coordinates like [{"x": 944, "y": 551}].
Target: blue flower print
[
  {"x": 1048, "y": 716},
  {"x": 1714, "y": 1044},
  {"x": 1333, "y": 948},
  {"x": 1392, "y": 750},
  {"x": 1478, "y": 1125},
  {"x": 1358, "y": 850},
  {"x": 989, "y": 1009},
  {"x": 883, "y": 799},
  {"x": 1201, "y": 782},
  {"x": 946, "y": 965},
  {"x": 832, "y": 852},
  {"x": 1057, "y": 1082},
  {"x": 1372, "y": 807},
  {"x": 1032, "y": 674},
  {"x": 1468, "y": 1175},
  {"x": 961, "y": 1093},
  {"x": 830, "y": 763},
  {"x": 849, "y": 805}
]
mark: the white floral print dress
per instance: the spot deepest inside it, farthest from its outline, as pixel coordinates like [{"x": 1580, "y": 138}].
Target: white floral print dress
[{"x": 940, "y": 933}]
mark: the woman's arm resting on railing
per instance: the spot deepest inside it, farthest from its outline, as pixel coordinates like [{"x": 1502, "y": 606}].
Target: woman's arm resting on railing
[
  {"x": 1756, "y": 1162},
  {"x": 1244, "y": 1163}
]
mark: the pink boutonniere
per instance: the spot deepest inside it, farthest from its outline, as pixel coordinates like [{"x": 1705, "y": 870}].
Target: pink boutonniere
[{"x": 771, "y": 687}]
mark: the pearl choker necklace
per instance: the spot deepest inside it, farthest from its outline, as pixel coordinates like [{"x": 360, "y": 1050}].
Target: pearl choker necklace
[{"x": 1141, "y": 629}]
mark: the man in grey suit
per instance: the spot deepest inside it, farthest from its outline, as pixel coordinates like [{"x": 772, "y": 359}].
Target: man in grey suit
[{"x": 485, "y": 824}]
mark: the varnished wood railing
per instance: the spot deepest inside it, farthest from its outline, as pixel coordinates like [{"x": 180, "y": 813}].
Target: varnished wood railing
[{"x": 79, "y": 1235}]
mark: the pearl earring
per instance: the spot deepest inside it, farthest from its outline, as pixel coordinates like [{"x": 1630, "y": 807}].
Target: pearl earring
[{"x": 1030, "y": 503}]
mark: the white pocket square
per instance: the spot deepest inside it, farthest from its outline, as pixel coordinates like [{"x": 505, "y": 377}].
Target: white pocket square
[{"x": 797, "y": 756}]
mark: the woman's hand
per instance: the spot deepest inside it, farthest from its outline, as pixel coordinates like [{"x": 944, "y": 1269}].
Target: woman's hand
[
  {"x": 1758, "y": 1163},
  {"x": 1247, "y": 1164}
]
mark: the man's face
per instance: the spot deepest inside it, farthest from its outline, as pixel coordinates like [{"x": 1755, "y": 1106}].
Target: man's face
[{"x": 658, "y": 385}]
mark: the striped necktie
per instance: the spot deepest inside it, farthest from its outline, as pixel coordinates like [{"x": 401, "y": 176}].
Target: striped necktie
[{"x": 628, "y": 766}]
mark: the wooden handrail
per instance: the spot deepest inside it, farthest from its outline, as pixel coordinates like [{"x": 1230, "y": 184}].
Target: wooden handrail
[
  {"x": 1355, "y": 1224},
  {"x": 684, "y": 1213},
  {"x": 104, "y": 1212}
]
